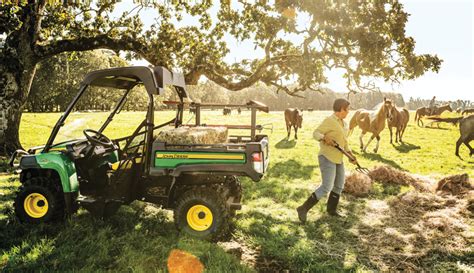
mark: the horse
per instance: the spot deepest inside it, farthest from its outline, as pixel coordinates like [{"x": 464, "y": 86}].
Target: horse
[
  {"x": 226, "y": 111},
  {"x": 466, "y": 128},
  {"x": 425, "y": 111},
  {"x": 374, "y": 123},
  {"x": 467, "y": 111},
  {"x": 399, "y": 119},
  {"x": 293, "y": 117}
]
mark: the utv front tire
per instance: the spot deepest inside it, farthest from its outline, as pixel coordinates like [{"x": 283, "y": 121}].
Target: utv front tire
[
  {"x": 202, "y": 213},
  {"x": 39, "y": 200}
]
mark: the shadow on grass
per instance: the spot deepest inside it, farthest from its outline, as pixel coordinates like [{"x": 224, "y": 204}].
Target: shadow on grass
[
  {"x": 320, "y": 245},
  {"x": 290, "y": 169},
  {"x": 285, "y": 143},
  {"x": 4, "y": 167},
  {"x": 6, "y": 197},
  {"x": 134, "y": 239},
  {"x": 8, "y": 187},
  {"x": 435, "y": 128},
  {"x": 379, "y": 158},
  {"x": 406, "y": 147},
  {"x": 273, "y": 189}
]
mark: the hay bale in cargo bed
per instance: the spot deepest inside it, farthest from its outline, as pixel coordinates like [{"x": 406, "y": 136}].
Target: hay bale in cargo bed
[{"x": 193, "y": 135}]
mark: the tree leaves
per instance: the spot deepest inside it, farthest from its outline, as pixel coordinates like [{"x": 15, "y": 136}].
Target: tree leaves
[{"x": 366, "y": 39}]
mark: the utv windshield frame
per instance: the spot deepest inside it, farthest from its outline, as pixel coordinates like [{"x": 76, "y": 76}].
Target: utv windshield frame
[{"x": 154, "y": 79}]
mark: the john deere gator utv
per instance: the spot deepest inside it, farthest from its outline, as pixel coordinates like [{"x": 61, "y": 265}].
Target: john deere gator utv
[{"x": 199, "y": 182}]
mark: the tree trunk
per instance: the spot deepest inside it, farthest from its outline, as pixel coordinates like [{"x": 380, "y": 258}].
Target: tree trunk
[{"x": 14, "y": 87}]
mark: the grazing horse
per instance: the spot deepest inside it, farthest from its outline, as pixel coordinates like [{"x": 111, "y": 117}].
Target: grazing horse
[
  {"x": 399, "y": 119},
  {"x": 293, "y": 117},
  {"x": 466, "y": 128},
  {"x": 371, "y": 122},
  {"x": 226, "y": 111},
  {"x": 467, "y": 111},
  {"x": 425, "y": 111}
]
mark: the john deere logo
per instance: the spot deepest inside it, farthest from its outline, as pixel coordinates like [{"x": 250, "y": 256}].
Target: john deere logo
[{"x": 173, "y": 156}]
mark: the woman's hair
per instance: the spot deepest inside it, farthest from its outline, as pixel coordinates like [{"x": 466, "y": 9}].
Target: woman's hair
[{"x": 340, "y": 104}]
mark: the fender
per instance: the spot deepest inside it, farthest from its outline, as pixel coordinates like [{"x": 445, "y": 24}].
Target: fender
[{"x": 54, "y": 161}]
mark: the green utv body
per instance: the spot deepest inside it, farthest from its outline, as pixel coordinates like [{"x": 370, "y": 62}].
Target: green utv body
[{"x": 198, "y": 182}]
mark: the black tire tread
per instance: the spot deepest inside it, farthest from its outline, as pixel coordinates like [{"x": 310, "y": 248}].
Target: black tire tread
[
  {"x": 210, "y": 196},
  {"x": 49, "y": 184}
]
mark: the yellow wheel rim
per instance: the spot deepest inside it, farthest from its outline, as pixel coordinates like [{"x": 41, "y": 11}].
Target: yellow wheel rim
[
  {"x": 199, "y": 217},
  {"x": 36, "y": 205}
]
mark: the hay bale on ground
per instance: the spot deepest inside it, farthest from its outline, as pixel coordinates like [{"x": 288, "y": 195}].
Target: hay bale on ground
[
  {"x": 193, "y": 135},
  {"x": 387, "y": 174},
  {"x": 470, "y": 202},
  {"x": 421, "y": 201},
  {"x": 357, "y": 184},
  {"x": 455, "y": 184}
]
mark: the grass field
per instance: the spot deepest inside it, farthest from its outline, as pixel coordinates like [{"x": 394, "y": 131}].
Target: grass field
[{"x": 140, "y": 237}]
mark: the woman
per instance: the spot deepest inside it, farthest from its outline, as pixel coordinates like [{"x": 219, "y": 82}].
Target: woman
[{"x": 331, "y": 131}]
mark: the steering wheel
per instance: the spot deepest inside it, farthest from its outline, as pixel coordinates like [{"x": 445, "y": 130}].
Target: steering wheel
[{"x": 97, "y": 138}]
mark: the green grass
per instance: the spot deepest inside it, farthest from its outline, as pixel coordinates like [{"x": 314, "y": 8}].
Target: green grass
[{"x": 139, "y": 237}]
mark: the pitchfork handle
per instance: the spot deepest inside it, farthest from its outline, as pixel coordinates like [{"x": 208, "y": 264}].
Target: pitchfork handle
[{"x": 346, "y": 154}]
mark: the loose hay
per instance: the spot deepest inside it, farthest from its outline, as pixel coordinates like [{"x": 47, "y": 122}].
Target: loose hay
[
  {"x": 389, "y": 175},
  {"x": 455, "y": 184},
  {"x": 413, "y": 227},
  {"x": 193, "y": 135},
  {"x": 357, "y": 184}
]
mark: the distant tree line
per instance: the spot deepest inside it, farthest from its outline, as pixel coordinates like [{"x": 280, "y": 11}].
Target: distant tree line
[
  {"x": 322, "y": 100},
  {"x": 58, "y": 78},
  {"x": 415, "y": 103}
]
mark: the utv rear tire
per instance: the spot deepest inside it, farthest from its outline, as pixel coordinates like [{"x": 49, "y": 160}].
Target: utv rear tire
[
  {"x": 40, "y": 200},
  {"x": 202, "y": 213}
]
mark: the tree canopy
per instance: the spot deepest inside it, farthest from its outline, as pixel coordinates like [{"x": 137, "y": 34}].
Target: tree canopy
[{"x": 366, "y": 39}]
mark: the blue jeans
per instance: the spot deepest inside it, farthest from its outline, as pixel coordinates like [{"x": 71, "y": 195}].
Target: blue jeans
[{"x": 332, "y": 175}]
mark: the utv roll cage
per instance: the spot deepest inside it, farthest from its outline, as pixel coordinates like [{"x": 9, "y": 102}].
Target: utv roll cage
[
  {"x": 153, "y": 79},
  {"x": 252, "y": 105}
]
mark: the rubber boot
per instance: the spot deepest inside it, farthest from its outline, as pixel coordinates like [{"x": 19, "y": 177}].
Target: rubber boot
[
  {"x": 307, "y": 205},
  {"x": 333, "y": 200}
]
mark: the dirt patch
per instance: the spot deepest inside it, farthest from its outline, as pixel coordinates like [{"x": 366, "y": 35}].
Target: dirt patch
[{"x": 252, "y": 257}]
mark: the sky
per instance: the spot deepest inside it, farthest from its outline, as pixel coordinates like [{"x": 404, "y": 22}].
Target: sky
[
  {"x": 441, "y": 27},
  {"x": 444, "y": 28}
]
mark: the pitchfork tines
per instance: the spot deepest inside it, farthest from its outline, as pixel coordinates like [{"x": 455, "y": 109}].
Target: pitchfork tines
[{"x": 351, "y": 157}]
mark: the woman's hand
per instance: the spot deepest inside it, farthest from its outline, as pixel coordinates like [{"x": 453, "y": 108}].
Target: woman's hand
[
  {"x": 328, "y": 140},
  {"x": 353, "y": 159}
]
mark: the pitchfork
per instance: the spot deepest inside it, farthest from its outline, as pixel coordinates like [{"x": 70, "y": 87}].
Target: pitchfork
[{"x": 351, "y": 157}]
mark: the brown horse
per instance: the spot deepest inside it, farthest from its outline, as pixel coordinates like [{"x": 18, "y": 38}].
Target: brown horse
[
  {"x": 467, "y": 111},
  {"x": 371, "y": 122},
  {"x": 293, "y": 117},
  {"x": 399, "y": 119},
  {"x": 466, "y": 128},
  {"x": 425, "y": 111}
]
